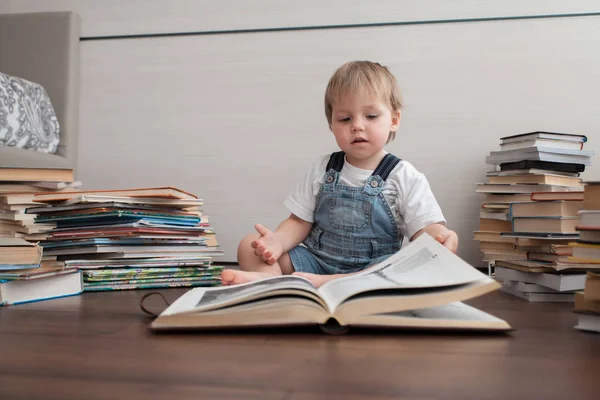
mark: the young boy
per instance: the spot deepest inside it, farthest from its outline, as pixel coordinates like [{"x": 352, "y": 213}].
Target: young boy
[{"x": 355, "y": 206}]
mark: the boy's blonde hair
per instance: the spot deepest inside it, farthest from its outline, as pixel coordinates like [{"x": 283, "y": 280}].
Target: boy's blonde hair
[{"x": 355, "y": 76}]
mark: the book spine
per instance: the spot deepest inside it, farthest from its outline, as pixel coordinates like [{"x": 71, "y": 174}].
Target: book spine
[{"x": 8, "y": 303}]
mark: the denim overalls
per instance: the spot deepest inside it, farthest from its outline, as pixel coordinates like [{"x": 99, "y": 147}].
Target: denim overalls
[{"x": 354, "y": 226}]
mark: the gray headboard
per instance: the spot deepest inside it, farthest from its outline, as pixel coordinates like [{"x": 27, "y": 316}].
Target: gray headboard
[{"x": 44, "y": 48}]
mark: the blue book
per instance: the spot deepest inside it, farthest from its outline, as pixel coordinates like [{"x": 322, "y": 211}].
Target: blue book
[
  {"x": 163, "y": 222},
  {"x": 120, "y": 215}
]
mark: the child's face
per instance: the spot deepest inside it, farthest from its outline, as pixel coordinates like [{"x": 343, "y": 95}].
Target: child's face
[{"x": 361, "y": 125}]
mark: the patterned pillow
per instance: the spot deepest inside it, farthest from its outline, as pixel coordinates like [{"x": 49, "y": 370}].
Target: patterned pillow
[{"x": 27, "y": 118}]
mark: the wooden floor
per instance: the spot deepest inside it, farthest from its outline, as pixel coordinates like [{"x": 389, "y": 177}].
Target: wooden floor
[{"x": 97, "y": 346}]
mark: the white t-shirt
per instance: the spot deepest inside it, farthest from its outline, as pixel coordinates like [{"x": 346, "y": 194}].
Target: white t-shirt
[{"x": 406, "y": 191}]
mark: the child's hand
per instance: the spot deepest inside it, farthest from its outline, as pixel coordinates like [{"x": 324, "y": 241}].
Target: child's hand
[
  {"x": 449, "y": 239},
  {"x": 267, "y": 246}
]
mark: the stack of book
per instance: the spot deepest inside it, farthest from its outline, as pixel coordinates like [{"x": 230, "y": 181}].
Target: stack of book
[
  {"x": 17, "y": 188},
  {"x": 535, "y": 193},
  {"x": 525, "y": 165},
  {"x": 587, "y": 250},
  {"x": 130, "y": 239},
  {"x": 544, "y": 229},
  {"x": 24, "y": 277}
]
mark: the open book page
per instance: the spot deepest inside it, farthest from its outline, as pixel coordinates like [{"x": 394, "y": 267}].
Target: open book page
[
  {"x": 453, "y": 311},
  {"x": 452, "y": 315},
  {"x": 424, "y": 263},
  {"x": 206, "y": 299}
]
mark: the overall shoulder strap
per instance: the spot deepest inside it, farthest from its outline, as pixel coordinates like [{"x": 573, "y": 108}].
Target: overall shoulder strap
[
  {"x": 386, "y": 166},
  {"x": 336, "y": 161}
]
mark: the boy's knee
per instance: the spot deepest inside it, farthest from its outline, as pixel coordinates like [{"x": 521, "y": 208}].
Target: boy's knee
[
  {"x": 245, "y": 246},
  {"x": 247, "y": 241}
]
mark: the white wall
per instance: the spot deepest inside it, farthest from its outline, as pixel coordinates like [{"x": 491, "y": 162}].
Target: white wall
[
  {"x": 236, "y": 118},
  {"x": 118, "y": 17}
]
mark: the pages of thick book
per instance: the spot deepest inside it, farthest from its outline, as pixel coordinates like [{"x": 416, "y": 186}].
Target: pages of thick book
[
  {"x": 421, "y": 286},
  {"x": 19, "y": 251},
  {"x": 44, "y": 288},
  {"x": 36, "y": 174}
]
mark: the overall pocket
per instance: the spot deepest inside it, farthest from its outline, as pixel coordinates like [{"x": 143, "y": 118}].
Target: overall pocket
[{"x": 349, "y": 215}]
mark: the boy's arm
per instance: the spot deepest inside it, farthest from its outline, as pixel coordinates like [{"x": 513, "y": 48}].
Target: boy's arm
[
  {"x": 290, "y": 233},
  {"x": 442, "y": 234}
]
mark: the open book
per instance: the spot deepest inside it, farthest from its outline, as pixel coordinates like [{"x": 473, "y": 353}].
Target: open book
[{"x": 421, "y": 286}]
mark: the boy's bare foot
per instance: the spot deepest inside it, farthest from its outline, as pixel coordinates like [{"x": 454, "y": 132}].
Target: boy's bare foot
[
  {"x": 235, "y": 277},
  {"x": 318, "y": 280}
]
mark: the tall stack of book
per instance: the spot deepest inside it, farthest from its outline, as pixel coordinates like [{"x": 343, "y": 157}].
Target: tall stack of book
[
  {"x": 17, "y": 188},
  {"x": 130, "y": 239},
  {"x": 546, "y": 229},
  {"x": 24, "y": 277},
  {"x": 587, "y": 250},
  {"x": 537, "y": 189}
]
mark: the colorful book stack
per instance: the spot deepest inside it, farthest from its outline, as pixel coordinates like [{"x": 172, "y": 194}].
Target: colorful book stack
[
  {"x": 535, "y": 193},
  {"x": 17, "y": 188},
  {"x": 25, "y": 278},
  {"x": 131, "y": 239},
  {"x": 587, "y": 250}
]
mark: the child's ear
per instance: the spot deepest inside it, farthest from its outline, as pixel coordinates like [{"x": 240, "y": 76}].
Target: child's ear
[{"x": 396, "y": 116}]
